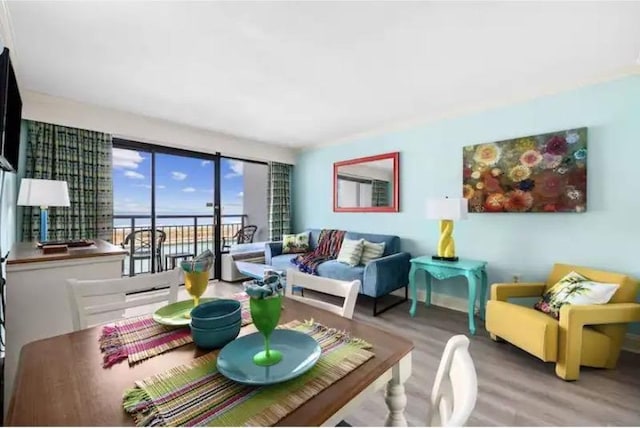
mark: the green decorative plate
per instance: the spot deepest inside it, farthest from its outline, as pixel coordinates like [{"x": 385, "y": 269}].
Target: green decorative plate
[{"x": 174, "y": 313}]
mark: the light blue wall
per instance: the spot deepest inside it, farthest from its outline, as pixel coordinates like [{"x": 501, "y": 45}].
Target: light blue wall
[{"x": 606, "y": 236}]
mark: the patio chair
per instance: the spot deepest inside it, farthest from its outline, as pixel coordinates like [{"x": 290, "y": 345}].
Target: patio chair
[
  {"x": 243, "y": 236},
  {"x": 138, "y": 243}
]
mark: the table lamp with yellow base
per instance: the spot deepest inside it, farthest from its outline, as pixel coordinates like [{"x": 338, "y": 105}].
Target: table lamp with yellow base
[{"x": 447, "y": 210}]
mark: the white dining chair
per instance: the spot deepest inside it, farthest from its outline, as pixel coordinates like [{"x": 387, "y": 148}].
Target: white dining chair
[
  {"x": 348, "y": 290},
  {"x": 101, "y": 301},
  {"x": 455, "y": 389}
]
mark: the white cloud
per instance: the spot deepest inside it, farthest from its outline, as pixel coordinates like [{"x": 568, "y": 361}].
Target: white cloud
[
  {"x": 177, "y": 175},
  {"x": 148, "y": 186},
  {"x": 241, "y": 194},
  {"x": 134, "y": 175},
  {"x": 205, "y": 162},
  {"x": 189, "y": 189},
  {"x": 123, "y": 159},
  {"x": 236, "y": 169}
]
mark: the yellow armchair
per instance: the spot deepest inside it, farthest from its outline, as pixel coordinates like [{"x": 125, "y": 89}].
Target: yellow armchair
[{"x": 588, "y": 335}]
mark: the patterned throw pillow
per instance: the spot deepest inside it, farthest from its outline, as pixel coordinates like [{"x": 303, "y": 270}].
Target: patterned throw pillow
[
  {"x": 371, "y": 251},
  {"x": 574, "y": 289},
  {"x": 351, "y": 251},
  {"x": 293, "y": 244}
]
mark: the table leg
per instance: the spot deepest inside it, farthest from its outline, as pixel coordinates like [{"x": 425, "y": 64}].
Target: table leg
[
  {"x": 483, "y": 293},
  {"x": 412, "y": 288},
  {"x": 427, "y": 280},
  {"x": 473, "y": 285},
  {"x": 395, "y": 397}
]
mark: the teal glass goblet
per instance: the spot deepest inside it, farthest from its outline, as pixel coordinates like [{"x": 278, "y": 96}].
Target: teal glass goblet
[{"x": 265, "y": 314}]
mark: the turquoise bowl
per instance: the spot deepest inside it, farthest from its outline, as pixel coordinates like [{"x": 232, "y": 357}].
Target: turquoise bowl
[
  {"x": 216, "y": 314},
  {"x": 212, "y": 338}
]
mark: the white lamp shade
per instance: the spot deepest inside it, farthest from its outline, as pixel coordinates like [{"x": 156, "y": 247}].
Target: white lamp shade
[
  {"x": 43, "y": 193},
  {"x": 447, "y": 209}
]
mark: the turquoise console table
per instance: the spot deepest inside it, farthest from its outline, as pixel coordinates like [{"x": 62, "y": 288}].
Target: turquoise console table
[{"x": 474, "y": 271}]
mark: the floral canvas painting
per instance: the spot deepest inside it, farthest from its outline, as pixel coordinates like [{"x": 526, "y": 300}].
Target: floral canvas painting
[{"x": 541, "y": 173}]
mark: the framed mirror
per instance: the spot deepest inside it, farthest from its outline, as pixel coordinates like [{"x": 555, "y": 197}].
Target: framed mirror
[{"x": 367, "y": 184}]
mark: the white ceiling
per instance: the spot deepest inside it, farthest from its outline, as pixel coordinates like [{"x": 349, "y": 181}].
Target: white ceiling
[{"x": 312, "y": 72}]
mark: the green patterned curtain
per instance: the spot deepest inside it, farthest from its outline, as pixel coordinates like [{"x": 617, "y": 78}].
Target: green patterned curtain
[
  {"x": 279, "y": 200},
  {"x": 83, "y": 159},
  {"x": 379, "y": 193}
]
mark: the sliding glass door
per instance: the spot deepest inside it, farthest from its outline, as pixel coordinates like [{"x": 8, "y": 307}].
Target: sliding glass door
[
  {"x": 167, "y": 202},
  {"x": 243, "y": 189},
  {"x": 132, "y": 207},
  {"x": 184, "y": 206}
]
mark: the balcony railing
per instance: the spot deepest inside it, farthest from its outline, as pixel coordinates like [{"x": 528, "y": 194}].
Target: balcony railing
[{"x": 186, "y": 235}]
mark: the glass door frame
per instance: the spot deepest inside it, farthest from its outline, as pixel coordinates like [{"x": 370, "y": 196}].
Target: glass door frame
[{"x": 153, "y": 149}]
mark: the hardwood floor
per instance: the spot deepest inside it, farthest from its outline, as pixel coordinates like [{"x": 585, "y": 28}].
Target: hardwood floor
[{"x": 515, "y": 388}]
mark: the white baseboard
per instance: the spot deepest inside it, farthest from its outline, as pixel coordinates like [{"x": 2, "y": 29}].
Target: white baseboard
[
  {"x": 443, "y": 300},
  {"x": 631, "y": 342}
]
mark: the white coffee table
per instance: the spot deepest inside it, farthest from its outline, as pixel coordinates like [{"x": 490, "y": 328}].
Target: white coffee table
[{"x": 256, "y": 271}]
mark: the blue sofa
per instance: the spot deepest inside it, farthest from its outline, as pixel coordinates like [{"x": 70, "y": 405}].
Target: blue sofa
[{"x": 378, "y": 277}]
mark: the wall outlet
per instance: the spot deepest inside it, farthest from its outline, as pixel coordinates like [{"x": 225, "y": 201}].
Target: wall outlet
[{"x": 516, "y": 278}]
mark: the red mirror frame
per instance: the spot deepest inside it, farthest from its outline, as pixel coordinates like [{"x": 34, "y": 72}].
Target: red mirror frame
[{"x": 395, "y": 207}]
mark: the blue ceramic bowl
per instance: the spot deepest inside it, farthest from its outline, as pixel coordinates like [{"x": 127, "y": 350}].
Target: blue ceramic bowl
[
  {"x": 215, "y": 338},
  {"x": 216, "y": 314}
]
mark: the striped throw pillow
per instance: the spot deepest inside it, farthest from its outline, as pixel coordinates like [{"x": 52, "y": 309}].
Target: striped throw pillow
[
  {"x": 371, "y": 251},
  {"x": 351, "y": 251}
]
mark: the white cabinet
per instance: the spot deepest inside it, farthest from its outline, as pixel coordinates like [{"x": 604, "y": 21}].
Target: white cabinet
[{"x": 38, "y": 304}]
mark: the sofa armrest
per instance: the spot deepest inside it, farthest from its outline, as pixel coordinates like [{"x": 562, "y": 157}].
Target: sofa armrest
[
  {"x": 611, "y": 313},
  {"x": 272, "y": 249},
  {"x": 574, "y": 318},
  {"x": 386, "y": 274},
  {"x": 521, "y": 289}
]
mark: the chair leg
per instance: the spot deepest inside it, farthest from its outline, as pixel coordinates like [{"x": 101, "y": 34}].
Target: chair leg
[{"x": 393, "y": 305}]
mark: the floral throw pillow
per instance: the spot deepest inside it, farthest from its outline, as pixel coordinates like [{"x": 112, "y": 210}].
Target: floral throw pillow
[
  {"x": 294, "y": 244},
  {"x": 574, "y": 289}
]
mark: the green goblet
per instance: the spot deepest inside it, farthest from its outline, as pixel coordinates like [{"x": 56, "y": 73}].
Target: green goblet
[{"x": 266, "y": 314}]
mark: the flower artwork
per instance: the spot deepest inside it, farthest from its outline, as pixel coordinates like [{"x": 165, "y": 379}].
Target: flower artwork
[{"x": 542, "y": 173}]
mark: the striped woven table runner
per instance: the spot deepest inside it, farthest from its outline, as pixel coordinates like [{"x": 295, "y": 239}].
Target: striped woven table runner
[
  {"x": 196, "y": 394},
  {"x": 136, "y": 339}
]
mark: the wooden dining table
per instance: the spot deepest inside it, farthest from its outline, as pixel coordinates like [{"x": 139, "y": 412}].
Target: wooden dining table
[{"x": 61, "y": 381}]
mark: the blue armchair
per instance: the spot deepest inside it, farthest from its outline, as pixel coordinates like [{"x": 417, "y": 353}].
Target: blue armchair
[{"x": 378, "y": 277}]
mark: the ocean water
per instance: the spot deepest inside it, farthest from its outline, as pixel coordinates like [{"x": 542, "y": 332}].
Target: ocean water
[{"x": 172, "y": 221}]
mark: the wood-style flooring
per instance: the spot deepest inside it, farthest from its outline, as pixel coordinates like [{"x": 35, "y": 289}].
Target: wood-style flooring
[{"x": 514, "y": 388}]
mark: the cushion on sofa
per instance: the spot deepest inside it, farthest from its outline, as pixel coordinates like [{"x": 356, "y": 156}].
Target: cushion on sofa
[
  {"x": 391, "y": 243},
  {"x": 283, "y": 262},
  {"x": 371, "y": 251},
  {"x": 574, "y": 289},
  {"x": 351, "y": 252},
  {"x": 295, "y": 243},
  {"x": 336, "y": 270}
]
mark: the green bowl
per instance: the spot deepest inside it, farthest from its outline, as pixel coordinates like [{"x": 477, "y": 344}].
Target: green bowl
[
  {"x": 216, "y": 314},
  {"x": 212, "y": 338}
]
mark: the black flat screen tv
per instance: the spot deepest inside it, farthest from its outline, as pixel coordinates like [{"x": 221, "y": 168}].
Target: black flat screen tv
[{"x": 10, "y": 114}]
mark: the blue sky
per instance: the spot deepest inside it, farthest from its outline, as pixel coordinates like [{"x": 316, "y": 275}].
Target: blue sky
[{"x": 183, "y": 185}]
